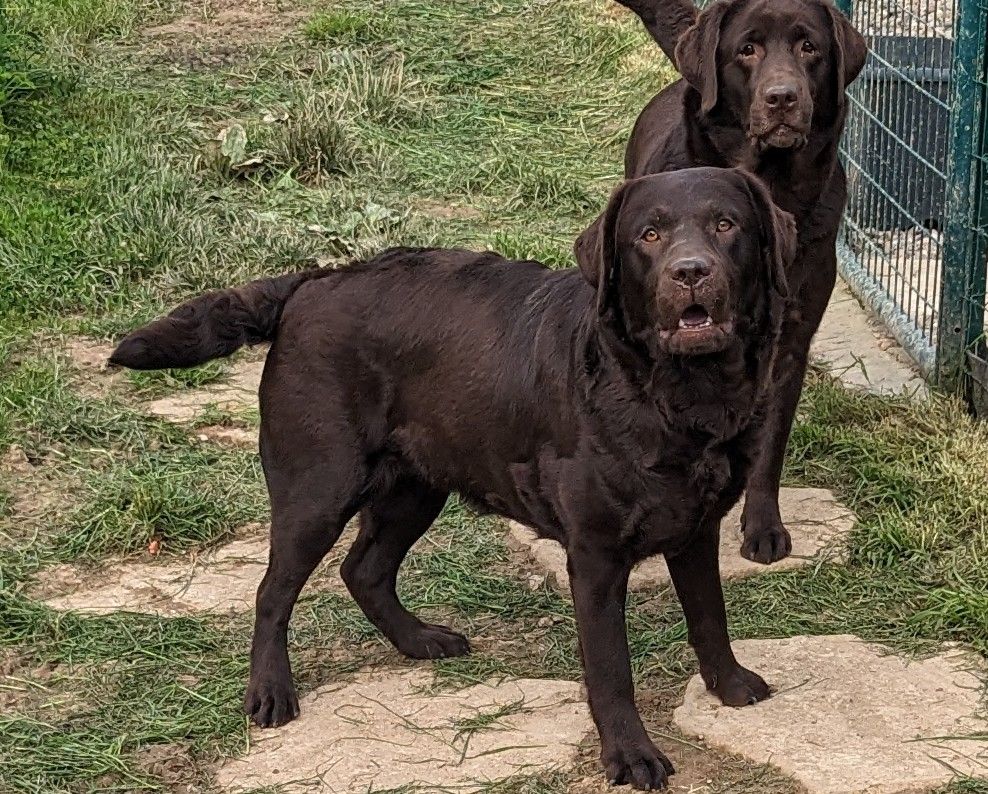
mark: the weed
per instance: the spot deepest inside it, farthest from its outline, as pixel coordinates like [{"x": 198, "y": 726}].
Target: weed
[{"x": 340, "y": 27}]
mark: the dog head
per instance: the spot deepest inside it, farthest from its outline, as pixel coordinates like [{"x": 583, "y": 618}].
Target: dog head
[
  {"x": 777, "y": 67},
  {"x": 687, "y": 262}
]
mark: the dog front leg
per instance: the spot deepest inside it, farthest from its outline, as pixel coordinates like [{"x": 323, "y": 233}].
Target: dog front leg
[
  {"x": 599, "y": 584},
  {"x": 696, "y": 576},
  {"x": 766, "y": 538}
]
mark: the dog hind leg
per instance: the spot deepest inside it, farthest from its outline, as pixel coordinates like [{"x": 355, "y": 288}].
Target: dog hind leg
[
  {"x": 311, "y": 502},
  {"x": 390, "y": 524}
]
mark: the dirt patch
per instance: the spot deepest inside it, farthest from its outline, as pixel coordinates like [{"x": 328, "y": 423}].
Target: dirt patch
[
  {"x": 89, "y": 360},
  {"x": 385, "y": 730},
  {"x": 816, "y": 520},
  {"x": 22, "y": 681},
  {"x": 846, "y": 717},
  {"x": 222, "y": 580},
  {"x": 217, "y": 31},
  {"x": 173, "y": 764},
  {"x": 447, "y": 211},
  {"x": 35, "y": 490},
  {"x": 699, "y": 769},
  {"x": 88, "y": 354}
]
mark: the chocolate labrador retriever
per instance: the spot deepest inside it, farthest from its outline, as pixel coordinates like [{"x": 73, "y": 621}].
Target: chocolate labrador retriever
[
  {"x": 613, "y": 407},
  {"x": 764, "y": 89}
]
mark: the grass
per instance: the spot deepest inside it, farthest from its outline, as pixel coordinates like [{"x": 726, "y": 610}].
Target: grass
[{"x": 135, "y": 174}]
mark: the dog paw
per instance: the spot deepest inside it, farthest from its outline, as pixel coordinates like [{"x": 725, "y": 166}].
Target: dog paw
[
  {"x": 741, "y": 687},
  {"x": 271, "y": 703},
  {"x": 639, "y": 763},
  {"x": 433, "y": 642},
  {"x": 766, "y": 544}
]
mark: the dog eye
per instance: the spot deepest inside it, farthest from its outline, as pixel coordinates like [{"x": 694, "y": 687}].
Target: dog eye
[
  {"x": 725, "y": 225},
  {"x": 808, "y": 47},
  {"x": 650, "y": 235},
  {"x": 747, "y": 50}
]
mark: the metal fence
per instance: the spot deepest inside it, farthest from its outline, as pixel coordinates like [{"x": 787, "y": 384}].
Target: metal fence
[{"x": 915, "y": 241}]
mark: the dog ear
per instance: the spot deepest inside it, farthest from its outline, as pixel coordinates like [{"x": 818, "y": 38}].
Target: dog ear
[
  {"x": 696, "y": 53},
  {"x": 596, "y": 251},
  {"x": 850, "y": 48},
  {"x": 778, "y": 233}
]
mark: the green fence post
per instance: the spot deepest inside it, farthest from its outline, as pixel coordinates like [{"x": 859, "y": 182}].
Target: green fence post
[
  {"x": 960, "y": 236},
  {"x": 847, "y": 6}
]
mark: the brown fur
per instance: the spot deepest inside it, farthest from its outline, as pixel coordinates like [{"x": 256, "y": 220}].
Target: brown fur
[
  {"x": 580, "y": 402},
  {"x": 778, "y": 112}
]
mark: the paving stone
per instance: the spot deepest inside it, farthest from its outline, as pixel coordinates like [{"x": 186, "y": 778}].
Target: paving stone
[
  {"x": 238, "y": 437},
  {"x": 855, "y": 348},
  {"x": 847, "y": 718},
  {"x": 224, "y": 579},
  {"x": 385, "y": 730},
  {"x": 816, "y": 520},
  {"x": 237, "y": 391}
]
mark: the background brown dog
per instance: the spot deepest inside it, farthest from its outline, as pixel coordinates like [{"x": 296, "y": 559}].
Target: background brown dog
[
  {"x": 764, "y": 88},
  {"x": 614, "y": 407}
]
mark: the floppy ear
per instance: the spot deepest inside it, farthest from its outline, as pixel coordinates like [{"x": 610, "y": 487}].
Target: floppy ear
[
  {"x": 778, "y": 233},
  {"x": 696, "y": 53},
  {"x": 850, "y": 47},
  {"x": 596, "y": 252}
]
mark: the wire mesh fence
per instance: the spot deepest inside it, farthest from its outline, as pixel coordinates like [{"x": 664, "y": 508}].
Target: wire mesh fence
[{"x": 916, "y": 150}]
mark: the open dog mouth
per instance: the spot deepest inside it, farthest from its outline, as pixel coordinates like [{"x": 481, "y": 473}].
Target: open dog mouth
[
  {"x": 695, "y": 318},
  {"x": 696, "y": 332}
]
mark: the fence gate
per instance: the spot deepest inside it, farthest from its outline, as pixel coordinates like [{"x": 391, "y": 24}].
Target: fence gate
[{"x": 915, "y": 241}]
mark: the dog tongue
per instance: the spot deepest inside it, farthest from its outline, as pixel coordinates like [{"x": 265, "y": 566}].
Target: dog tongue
[{"x": 694, "y": 316}]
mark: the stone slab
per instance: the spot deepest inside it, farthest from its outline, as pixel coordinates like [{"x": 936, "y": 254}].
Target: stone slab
[
  {"x": 385, "y": 730},
  {"x": 816, "y": 520},
  {"x": 237, "y": 391},
  {"x": 848, "y": 718},
  {"x": 224, "y": 579},
  {"x": 854, "y": 347}
]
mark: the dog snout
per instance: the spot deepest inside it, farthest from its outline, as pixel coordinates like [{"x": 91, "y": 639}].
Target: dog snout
[
  {"x": 690, "y": 272},
  {"x": 782, "y": 96}
]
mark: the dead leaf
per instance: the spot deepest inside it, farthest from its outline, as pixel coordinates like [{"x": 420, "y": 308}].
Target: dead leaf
[{"x": 233, "y": 142}]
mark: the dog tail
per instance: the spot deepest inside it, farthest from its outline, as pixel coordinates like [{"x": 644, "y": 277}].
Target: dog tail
[{"x": 213, "y": 325}]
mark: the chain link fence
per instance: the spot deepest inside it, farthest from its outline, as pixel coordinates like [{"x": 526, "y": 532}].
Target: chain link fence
[{"x": 915, "y": 242}]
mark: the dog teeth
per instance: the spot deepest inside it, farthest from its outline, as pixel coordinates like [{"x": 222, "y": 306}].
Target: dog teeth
[{"x": 693, "y": 327}]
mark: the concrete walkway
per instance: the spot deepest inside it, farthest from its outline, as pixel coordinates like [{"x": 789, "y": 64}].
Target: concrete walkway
[{"x": 853, "y": 346}]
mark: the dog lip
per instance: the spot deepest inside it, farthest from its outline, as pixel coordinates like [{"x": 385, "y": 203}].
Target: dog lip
[{"x": 782, "y": 136}]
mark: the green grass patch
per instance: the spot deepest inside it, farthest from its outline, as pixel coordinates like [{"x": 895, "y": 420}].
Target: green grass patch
[
  {"x": 185, "y": 497},
  {"x": 134, "y": 180},
  {"x": 340, "y": 27}
]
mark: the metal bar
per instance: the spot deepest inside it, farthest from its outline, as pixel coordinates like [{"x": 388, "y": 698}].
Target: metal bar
[
  {"x": 892, "y": 200},
  {"x": 891, "y": 133},
  {"x": 956, "y": 322}
]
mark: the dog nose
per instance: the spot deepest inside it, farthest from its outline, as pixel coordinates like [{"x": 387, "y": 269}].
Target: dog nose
[
  {"x": 781, "y": 97},
  {"x": 690, "y": 272}
]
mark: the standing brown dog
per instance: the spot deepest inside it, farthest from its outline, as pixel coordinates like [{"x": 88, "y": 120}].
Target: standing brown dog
[
  {"x": 614, "y": 408},
  {"x": 763, "y": 89}
]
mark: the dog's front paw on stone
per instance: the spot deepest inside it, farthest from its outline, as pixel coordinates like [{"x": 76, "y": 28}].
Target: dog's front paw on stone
[
  {"x": 766, "y": 543},
  {"x": 271, "y": 703},
  {"x": 741, "y": 687},
  {"x": 638, "y": 763}
]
